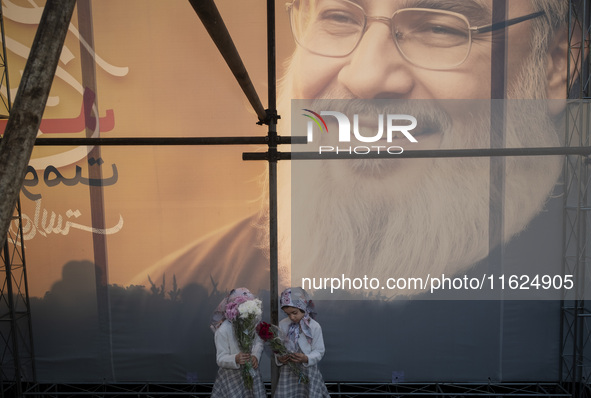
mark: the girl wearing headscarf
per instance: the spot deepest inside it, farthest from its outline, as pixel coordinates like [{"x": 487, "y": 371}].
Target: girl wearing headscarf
[
  {"x": 303, "y": 338},
  {"x": 229, "y": 381}
]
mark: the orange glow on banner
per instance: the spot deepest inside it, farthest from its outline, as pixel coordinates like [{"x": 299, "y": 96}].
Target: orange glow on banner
[{"x": 130, "y": 249}]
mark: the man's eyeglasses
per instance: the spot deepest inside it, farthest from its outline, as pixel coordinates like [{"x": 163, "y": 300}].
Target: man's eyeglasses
[{"x": 428, "y": 38}]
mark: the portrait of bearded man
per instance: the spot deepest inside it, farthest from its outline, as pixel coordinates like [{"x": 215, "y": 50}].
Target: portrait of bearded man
[{"x": 407, "y": 217}]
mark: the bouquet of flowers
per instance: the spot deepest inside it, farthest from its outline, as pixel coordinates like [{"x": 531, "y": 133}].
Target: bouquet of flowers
[
  {"x": 270, "y": 334},
  {"x": 245, "y": 315}
]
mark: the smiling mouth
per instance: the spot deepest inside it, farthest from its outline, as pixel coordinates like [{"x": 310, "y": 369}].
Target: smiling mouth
[
  {"x": 422, "y": 132},
  {"x": 417, "y": 133},
  {"x": 429, "y": 120}
]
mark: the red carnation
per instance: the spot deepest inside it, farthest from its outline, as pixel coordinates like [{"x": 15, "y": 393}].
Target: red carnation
[{"x": 264, "y": 331}]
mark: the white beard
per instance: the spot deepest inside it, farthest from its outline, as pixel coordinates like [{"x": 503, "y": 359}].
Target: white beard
[{"x": 353, "y": 218}]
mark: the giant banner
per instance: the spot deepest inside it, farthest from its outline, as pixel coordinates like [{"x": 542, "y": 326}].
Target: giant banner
[{"x": 422, "y": 269}]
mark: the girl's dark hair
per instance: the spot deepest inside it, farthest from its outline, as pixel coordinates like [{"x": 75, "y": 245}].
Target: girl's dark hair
[{"x": 301, "y": 310}]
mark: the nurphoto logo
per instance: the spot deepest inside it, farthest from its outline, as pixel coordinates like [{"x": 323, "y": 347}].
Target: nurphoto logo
[{"x": 396, "y": 127}]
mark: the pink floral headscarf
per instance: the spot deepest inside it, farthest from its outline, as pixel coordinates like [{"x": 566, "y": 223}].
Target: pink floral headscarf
[
  {"x": 228, "y": 307},
  {"x": 298, "y": 298}
]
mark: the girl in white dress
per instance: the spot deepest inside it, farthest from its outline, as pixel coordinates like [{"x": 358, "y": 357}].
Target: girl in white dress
[
  {"x": 303, "y": 338},
  {"x": 229, "y": 382}
]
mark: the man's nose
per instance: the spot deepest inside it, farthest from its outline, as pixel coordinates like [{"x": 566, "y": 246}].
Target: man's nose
[{"x": 376, "y": 68}]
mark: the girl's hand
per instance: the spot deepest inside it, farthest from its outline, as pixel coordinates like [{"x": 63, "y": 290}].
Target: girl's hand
[
  {"x": 254, "y": 361},
  {"x": 299, "y": 357},
  {"x": 242, "y": 358},
  {"x": 284, "y": 358}
]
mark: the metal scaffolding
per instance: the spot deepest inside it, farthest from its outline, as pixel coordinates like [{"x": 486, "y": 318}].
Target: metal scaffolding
[
  {"x": 336, "y": 389},
  {"x": 575, "y": 364},
  {"x": 576, "y": 313},
  {"x": 17, "y": 359}
]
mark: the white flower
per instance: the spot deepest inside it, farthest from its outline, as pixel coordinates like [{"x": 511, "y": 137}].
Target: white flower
[{"x": 250, "y": 307}]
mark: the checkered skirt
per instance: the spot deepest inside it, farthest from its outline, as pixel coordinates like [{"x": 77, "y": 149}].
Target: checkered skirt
[
  {"x": 229, "y": 384},
  {"x": 289, "y": 385}
]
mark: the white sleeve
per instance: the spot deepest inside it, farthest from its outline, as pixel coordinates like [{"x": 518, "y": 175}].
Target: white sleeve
[
  {"x": 317, "y": 346},
  {"x": 224, "y": 356}
]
